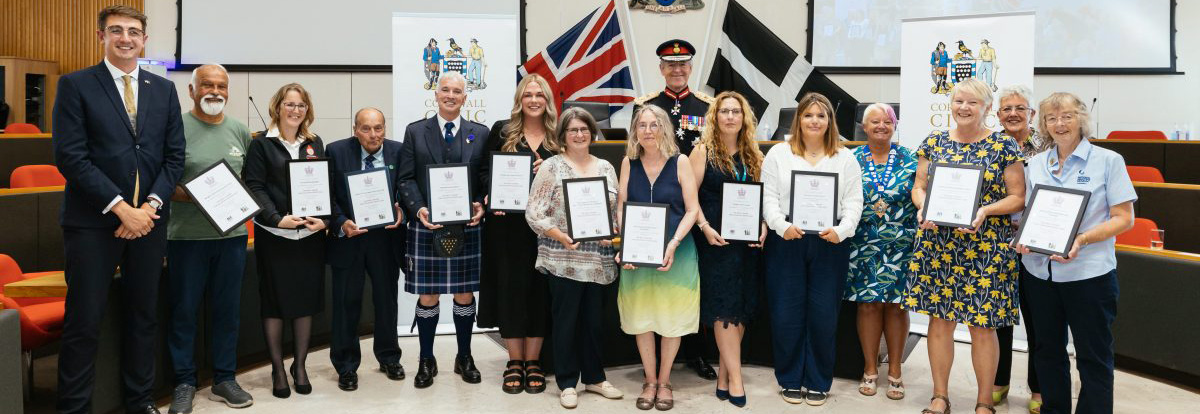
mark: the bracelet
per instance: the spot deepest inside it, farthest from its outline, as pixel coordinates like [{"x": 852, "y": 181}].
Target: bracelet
[{"x": 701, "y": 225}]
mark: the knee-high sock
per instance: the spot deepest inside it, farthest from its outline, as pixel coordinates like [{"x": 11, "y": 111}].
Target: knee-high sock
[
  {"x": 427, "y": 320},
  {"x": 464, "y": 323}
]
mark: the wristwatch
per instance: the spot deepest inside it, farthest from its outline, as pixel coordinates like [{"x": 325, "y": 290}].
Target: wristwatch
[{"x": 155, "y": 203}]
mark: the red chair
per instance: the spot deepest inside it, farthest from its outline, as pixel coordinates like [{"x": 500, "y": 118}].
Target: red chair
[
  {"x": 1149, "y": 135},
  {"x": 1140, "y": 235},
  {"x": 40, "y": 324},
  {"x": 1144, "y": 174},
  {"x": 40, "y": 175},
  {"x": 22, "y": 128}
]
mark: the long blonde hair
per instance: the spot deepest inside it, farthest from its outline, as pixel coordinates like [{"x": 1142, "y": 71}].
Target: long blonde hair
[
  {"x": 832, "y": 139},
  {"x": 514, "y": 130},
  {"x": 277, "y": 101},
  {"x": 746, "y": 145},
  {"x": 666, "y": 143}
]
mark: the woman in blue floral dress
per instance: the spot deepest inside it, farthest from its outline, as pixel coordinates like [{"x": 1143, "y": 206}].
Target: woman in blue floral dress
[
  {"x": 882, "y": 247},
  {"x": 968, "y": 276}
]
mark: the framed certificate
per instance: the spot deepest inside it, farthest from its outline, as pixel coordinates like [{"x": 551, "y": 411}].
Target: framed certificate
[
  {"x": 1051, "y": 220},
  {"x": 512, "y": 174},
  {"x": 741, "y": 211},
  {"x": 952, "y": 195},
  {"x": 644, "y": 234},
  {"x": 589, "y": 217},
  {"x": 449, "y": 195},
  {"x": 814, "y": 202},
  {"x": 221, "y": 197},
  {"x": 308, "y": 186},
  {"x": 371, "y": 198}
]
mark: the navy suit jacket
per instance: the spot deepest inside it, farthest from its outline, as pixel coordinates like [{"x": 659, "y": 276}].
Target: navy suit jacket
[
  {"x": 346, "y": 156},
  {"x": 100, "y": 154},
  {"x": 423, "y": 146}
]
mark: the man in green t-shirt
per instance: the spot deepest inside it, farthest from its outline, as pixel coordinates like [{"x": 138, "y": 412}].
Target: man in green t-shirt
[{"x": 202, "y": 261}]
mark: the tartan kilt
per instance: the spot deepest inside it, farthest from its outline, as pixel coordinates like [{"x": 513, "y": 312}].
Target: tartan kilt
[{"x": 430, "y": 274}]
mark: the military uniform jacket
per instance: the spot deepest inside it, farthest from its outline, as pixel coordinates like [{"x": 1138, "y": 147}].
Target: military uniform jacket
[{"x": 686, "y": 110}]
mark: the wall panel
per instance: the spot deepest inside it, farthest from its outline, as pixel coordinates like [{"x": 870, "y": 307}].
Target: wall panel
[{"x": 58, "y": 30}]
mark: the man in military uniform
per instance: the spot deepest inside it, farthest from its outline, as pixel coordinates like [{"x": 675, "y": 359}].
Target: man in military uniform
[{"x": 685, "y": 106}]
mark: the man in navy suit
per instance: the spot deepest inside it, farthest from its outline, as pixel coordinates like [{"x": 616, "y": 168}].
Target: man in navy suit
[
  {"x": 356, "y": 251},
  {"x": 431, "y": 271},
  {"x": 118, "y": 140}
]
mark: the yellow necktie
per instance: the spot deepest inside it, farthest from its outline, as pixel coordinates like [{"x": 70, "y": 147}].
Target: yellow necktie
[{"x": 131, "y": 110}]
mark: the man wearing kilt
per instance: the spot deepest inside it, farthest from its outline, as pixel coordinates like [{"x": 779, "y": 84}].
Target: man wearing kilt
[{"x": 443, "y": 259}]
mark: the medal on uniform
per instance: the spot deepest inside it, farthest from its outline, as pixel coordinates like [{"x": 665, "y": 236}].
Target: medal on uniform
[
  {"x": 879, "y": 208},
  {"x": 675, "y": 109}
]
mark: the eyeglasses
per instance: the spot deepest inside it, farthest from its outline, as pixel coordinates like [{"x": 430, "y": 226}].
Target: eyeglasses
[
  {"x": 1065, "y": 119},
  {"x": 1013, "y": 109},
  {"x": 651, "y": 127},
  {"x": 118, "y": 30},
  {"x": 730, "y": 111},
  {"x": 295, "y": 106},
  {"x": 578, "y": 131}
]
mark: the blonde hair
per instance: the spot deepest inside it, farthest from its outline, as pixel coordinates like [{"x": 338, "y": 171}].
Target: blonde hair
[
  {"x": 277, "y": 101},
  {"x": 514, "y": 130},
  {"x": 832, "y": 139},
  {"x": 746, "y": 145},
  {"x": 666, "y": 142},
  {"x": 978, "y": 89},
  {"x": 1065, "y": 101}
]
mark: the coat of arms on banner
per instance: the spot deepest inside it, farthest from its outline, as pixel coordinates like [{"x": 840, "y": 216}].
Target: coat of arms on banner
[
  {"x": 470, "y": 63},
  {"x": 666, "y": 6},
  {"x": 946, "y": 72}
]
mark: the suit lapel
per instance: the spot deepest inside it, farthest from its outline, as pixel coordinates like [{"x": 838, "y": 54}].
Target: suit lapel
[
  {"x": 143, "y": 99},
  {"x": 467, "y": 147},
  {"x": 434, "y": 141},
  {"x": 356, "y": 151},
  {"x": 110, "y": 88}
]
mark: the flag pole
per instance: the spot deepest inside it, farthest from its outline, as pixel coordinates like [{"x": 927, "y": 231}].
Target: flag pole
[
  {"x": 632, "y": 50},
  {"x": 712, "y": 14}
]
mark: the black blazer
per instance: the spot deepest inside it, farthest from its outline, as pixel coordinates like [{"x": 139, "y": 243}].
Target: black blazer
[
  {"x": 100, "y": 154},
  {"x": 346, "y": 156},
  {"x": 265, "y": 174},
  {"x": 422, "y": 147}
]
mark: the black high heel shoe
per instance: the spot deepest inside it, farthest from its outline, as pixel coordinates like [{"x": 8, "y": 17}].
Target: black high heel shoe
[
  {"x": 284, "y": 392},
  {"x": 303, "y": 389}
]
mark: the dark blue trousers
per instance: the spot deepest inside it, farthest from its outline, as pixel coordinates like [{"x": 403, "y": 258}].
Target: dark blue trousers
[
  {"x": 373, "y": 258},
  {"x": 576, "y": 310},
  {"x": 211, "y": 271},
  {"x": 805, "y": 279},
  {"x": 1088, "y": 308}
]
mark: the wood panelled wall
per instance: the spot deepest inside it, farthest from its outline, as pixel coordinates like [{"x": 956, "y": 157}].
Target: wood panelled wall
[{"x": 58, "y": 30}]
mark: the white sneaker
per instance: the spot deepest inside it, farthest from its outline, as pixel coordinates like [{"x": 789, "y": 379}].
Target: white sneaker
[
  {"x": 606, "y": 389},
  {"x": 568, "y": 398}
]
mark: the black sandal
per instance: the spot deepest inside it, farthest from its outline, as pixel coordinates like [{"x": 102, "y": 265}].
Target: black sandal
[
  {"x": 534, "y": 373},
  {"x": 514, "y": 375}
]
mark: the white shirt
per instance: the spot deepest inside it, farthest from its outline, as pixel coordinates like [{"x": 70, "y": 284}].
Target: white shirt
[
  {"x": 294, "y": 152},
  {"x": 777, "y": 190},
  {"x": 117, "y": 76},
  {"x": 442, "y": 124}
]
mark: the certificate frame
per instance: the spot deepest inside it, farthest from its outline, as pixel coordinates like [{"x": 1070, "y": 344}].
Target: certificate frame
[
  {"x": 625, "y": 258},
  {"x": 391, "y": 197},
  {"x": 1043, "y": 189},
  {"x": 208, "y": 215},
  {"x": 328, "y": 191},
  {"x": 492, "y": 182},
  {"x": 727, "y": 188},
  {"x": 607, "y": 208},
  {"x": 796, "y": 174},
  {"x": 944, "y": 167},
  {"x": 429, "y": 170}
]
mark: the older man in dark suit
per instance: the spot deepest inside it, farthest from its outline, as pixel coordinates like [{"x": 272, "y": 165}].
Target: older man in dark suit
[
  {"x": 357, "y": 251},
  {"x": 432, "y": 270},
  {"x": 118, "y": 140}
]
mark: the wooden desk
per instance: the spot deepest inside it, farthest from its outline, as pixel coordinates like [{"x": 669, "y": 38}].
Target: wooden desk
[{"x": 53, "y": 285}]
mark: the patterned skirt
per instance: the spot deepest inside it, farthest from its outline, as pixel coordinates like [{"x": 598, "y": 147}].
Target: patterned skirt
[{"x": 430, "y": 274}]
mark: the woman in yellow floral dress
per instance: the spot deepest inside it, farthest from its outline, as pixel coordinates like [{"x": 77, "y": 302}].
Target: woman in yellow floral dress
[{"x": 968, "y": 275}]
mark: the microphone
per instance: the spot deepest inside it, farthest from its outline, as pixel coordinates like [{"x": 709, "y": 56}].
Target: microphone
[
  {"x": 1096, "y": 115},
  {"x": 260, "y": 117}
]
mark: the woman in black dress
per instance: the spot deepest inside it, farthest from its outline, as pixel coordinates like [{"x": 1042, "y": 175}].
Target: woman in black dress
[
  {"x": 728, "y": 271},
  {"x": 512, "y": 294},
  {"x": 290, "y": 246}
]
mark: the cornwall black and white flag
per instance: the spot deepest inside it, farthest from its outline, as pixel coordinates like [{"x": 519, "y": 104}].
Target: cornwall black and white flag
[{"x": 753, "y": 61}]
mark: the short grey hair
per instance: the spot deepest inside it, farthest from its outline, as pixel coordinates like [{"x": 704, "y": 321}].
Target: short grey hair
[
  {"x": 197, "y": 70},
  {"x": 1018, "y": 90},
  {"x": 452, "y": 75}
]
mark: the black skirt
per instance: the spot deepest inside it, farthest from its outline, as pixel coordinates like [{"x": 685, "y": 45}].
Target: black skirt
[
  {"x": 513, "y": 296},
  {"x": 291, "y": 274}
]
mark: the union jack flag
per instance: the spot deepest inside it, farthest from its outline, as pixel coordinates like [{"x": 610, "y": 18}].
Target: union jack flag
[{"x": 588, "y": 62}]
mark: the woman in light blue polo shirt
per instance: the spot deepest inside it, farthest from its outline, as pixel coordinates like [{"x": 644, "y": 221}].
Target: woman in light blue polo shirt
[{"x": 1080, "y": 291}]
